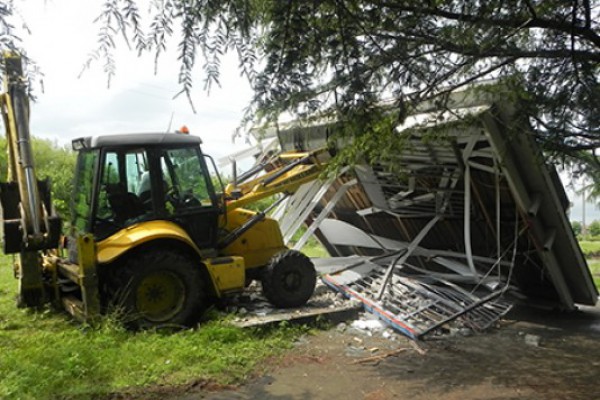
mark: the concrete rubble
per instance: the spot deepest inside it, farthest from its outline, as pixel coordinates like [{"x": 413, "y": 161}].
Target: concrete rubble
[{"x": 252, "y": 309}]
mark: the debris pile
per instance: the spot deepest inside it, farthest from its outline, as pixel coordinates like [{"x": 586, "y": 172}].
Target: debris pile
[
  {"x": 418, "y": 305},
  {"x": 251, "y": 308},
  {"x": 413, "y": 306},
  {"x": 466, "y": 211},
  {"x": 466, "y": 188},
  {"x": 372, "y": 340}
]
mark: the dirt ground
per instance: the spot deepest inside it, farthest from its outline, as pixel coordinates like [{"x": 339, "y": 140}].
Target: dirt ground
[{"x": 533, "y": 354}]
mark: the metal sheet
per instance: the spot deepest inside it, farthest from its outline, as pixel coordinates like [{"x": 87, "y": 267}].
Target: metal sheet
[
  {"x": 416, "y": 305},
  {"x": 503, "y": 210}
]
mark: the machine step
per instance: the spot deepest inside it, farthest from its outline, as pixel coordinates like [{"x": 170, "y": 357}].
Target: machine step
[{"x": 70, "y": 271}]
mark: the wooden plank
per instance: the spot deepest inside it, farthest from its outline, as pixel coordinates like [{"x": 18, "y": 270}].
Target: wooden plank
[{"x": 302, "y": 316}]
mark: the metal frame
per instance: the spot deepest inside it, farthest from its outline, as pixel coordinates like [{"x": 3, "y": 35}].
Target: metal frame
[{"x": 442, "y": 181}]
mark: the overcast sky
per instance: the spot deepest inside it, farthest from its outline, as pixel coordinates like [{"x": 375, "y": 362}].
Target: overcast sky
[{"x": 63, "y": 34}]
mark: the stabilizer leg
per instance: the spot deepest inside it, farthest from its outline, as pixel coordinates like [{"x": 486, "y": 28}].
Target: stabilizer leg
[{"x": 31, "y": 285}]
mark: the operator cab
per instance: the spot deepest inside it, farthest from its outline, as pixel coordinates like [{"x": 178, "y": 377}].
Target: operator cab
[{"x": 122, "y": 180}]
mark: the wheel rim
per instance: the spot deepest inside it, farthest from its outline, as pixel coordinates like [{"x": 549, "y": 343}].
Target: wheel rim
[
  {"x": 292, "y": 281},
  {"x": 160, "y": 296}
]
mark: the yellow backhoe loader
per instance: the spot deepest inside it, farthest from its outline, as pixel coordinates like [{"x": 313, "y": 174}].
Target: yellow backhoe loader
[{"x": 150, "y": 236}]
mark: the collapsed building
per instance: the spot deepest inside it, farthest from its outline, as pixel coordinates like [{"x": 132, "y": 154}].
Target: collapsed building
[{"x": 453, "y": 227}]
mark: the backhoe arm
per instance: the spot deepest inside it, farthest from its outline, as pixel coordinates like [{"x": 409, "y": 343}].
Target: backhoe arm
[
  {"x": 286, "y": 173},
  {"x": 21, "y": 170},
  {"x": 29, "y": 223}
]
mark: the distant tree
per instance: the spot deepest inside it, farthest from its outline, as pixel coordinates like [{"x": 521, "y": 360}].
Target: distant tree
[
  {"x": 54, "y": 162},
  {"x": 594, "y": 228},
  {"x": 577, "y": 228},
  {"x": 57, "y": 163},
  {"x": 591, "y": 191}
]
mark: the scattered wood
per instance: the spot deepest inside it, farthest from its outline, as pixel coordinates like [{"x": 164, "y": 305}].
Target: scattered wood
[
  {"x": 418, "y": 348},
  {"x": 381, "y": 356},
  {"x": 301, "y": 315}
]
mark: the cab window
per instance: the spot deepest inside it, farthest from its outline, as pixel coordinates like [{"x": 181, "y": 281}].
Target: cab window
[
  {"x": 124, "y": 195},
  {"x": 185, "y": 181},
  {"x": 81, "y": 205}
]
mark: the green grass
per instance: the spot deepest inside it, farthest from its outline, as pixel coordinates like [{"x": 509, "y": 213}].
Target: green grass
[
  {"x": 46, "y": 355},
  {"x": 594, "y": 265},
  {"x": 590, "y": 248},
  {"x": 312, "y": 248}
]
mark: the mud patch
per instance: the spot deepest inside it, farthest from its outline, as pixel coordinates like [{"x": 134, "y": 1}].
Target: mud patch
[{"x": 563, "y": 364}]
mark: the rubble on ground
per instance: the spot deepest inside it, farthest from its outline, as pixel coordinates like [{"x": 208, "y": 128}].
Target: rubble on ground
[{"x": 251, "y": 309}]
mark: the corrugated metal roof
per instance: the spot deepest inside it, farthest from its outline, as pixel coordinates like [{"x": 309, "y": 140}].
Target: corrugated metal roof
[{"x": 512, "y": 209}]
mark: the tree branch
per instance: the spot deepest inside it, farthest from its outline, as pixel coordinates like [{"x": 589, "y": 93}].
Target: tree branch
[
  {"x": 478, "y": 51},
  {"x": 512, "y": 22},
  {"x": 587, "y": 11}
]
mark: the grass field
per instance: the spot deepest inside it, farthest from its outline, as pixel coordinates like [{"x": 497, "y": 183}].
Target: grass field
[
  {"x": 590, "y": 248},
  {"x": 594, "y": 265},
  {"x": 312, "y": 248},
  {"x": 46, "y": 355}
]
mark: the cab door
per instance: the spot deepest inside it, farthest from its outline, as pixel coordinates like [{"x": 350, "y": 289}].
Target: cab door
[{"x": 188, "y": 194}]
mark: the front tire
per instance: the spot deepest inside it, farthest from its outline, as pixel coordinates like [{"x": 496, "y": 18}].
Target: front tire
[
  {"x": 289, "y": 280},
  {"x": 158, "y": 288}
]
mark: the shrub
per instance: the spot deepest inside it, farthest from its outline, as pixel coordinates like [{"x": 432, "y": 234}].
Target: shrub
[
  {"x": 594, "y": 228},
  {"x": 576, "y": 226},
  {"x": 590, "y": 249}
]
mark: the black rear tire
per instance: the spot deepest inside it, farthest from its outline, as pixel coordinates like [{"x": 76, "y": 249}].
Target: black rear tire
[
  {"x": 157, "y": 288},
  {"x": 289, "y": 280}
]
